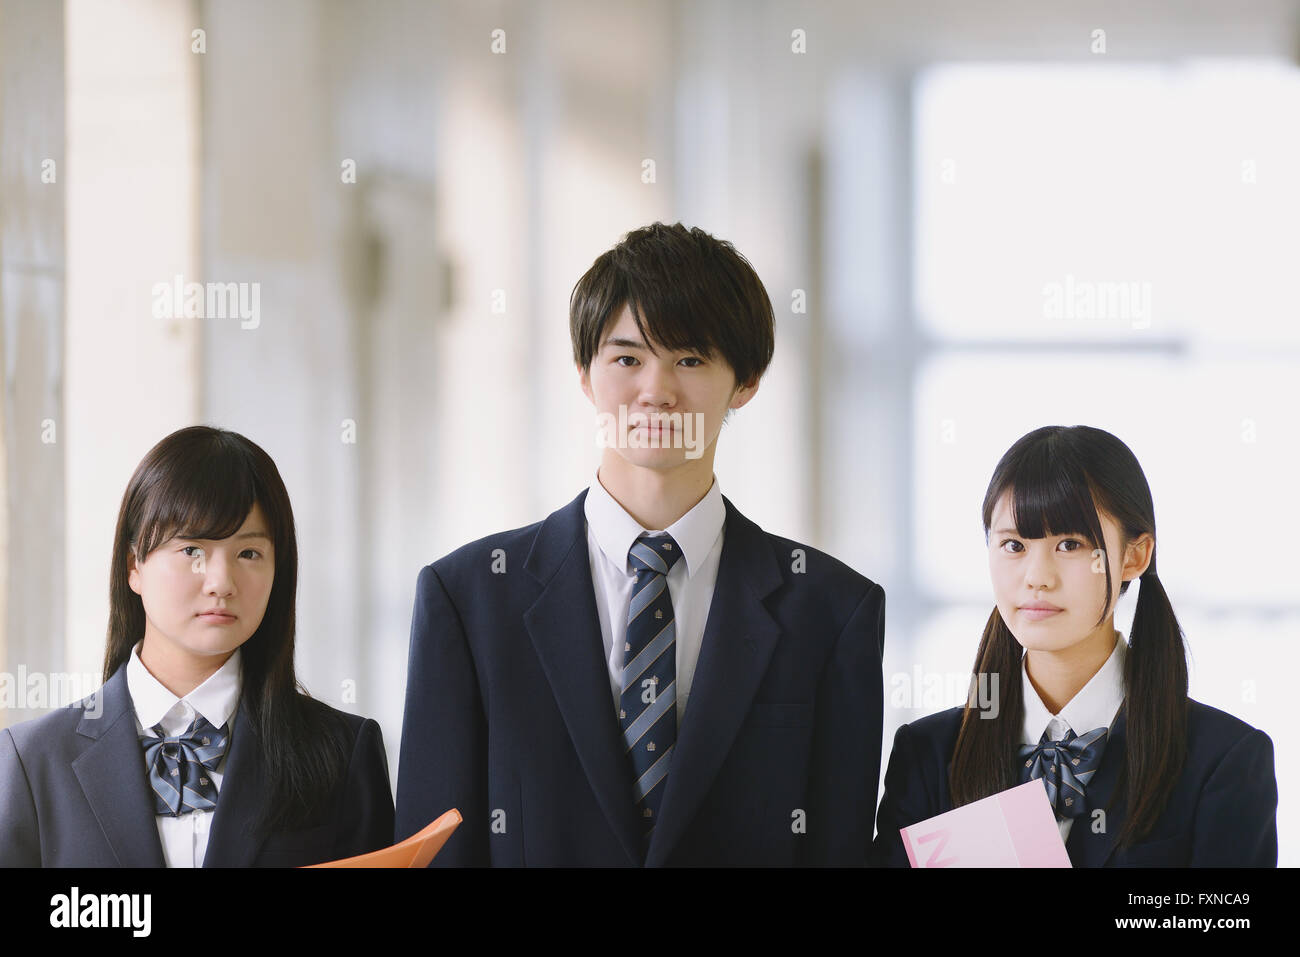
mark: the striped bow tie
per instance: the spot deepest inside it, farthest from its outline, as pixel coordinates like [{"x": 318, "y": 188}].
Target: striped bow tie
[
  {"x": 1065, "y": 767},
  {"x": 180, "y": 767}
]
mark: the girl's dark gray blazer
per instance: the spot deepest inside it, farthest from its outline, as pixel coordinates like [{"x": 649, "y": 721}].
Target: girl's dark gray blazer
[{"x": 74, "y": 793}]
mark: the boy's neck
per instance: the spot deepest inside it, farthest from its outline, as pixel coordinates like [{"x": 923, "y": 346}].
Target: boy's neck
[
  {"x": 1058, "y": 676},
  {"x": 656, "y": 498}
]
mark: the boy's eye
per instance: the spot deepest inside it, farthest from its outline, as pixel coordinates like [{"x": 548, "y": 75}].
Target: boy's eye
[
  {"x": 695, "y": 361},
  {"x": 191, "y": 548}
]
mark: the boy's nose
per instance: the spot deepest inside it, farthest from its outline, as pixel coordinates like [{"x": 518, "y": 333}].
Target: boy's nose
[{"x": 658, "y": 389}]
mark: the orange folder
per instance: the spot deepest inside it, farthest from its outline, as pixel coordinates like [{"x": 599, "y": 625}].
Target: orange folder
[{"x": 416, "y": 851}]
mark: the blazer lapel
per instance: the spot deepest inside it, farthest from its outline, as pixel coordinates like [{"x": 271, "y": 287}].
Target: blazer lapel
[
  {"x": 120, "y": 800},
  {"x": 739, "y": 637},
  {"x": 1086, "y": 847},
  {"x": 565, "y": 631},
  {"x": 242, "y": 802}
]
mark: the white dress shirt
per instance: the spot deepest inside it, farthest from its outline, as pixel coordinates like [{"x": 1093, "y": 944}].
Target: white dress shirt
[
  {"x": 611, "y": 532},
  {"x": 1095, "y": 706},
  {"x": 185, "y": 838}
]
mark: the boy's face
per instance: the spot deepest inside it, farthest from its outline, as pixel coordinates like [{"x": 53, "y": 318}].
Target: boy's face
[{"x": 657, "y": 409}]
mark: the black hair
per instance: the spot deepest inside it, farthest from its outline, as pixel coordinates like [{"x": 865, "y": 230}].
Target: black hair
[
  {"x": 202, "y": 482},
  {"x": 1060, "y": 478},
  {"x": 686, "y": 290}
]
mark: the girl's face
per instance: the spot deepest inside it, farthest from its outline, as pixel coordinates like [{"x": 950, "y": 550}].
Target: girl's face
[
  {"x": 1051, "y": 591},
  {"x": 203, "y": 598}
]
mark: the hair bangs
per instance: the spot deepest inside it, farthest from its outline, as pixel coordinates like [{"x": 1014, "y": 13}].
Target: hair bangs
[
  {"x": 1057, "y": 505},
  {"x": 1050, "y": 493},
  {"x": 208, "y": 499},
  {"x": 666, "y": 320}
]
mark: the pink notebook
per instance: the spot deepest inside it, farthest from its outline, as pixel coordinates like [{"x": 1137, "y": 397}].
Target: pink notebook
[{"x": 1014, "y": 828}]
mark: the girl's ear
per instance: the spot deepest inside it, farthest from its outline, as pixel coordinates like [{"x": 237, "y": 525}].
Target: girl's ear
[
  {"x": 1137, "y": 556},
  {"x": 132, "y": 573}
]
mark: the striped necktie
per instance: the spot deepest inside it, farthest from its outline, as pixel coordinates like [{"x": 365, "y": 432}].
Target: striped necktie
[
  {"x": 648, "y": 704},
  {"x": 180, "y": 766}
]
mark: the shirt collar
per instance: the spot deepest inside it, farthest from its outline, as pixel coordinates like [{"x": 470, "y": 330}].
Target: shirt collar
[
  {"x": 616, "y": 531},
  {"x": 1095, "y": 706},
  {"x": 215, "y": 699}
]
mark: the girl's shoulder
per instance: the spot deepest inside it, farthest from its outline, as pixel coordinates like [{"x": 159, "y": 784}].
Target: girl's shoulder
[
  {"x": 343, "y": 725},
  {"x": 39, "y": 732},
  {"x": 87, "y": 719},
  {"x": 1216, "y": 732},
  {"x": 935, "y": 732}
]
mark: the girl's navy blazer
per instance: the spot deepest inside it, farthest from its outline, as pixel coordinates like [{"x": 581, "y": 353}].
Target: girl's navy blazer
[
  {"x": 1222, "y": 813},
  {"x": 74, "y": 793}
]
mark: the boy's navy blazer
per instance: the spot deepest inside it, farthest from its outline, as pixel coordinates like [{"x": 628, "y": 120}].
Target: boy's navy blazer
[
  {"x": 74, "y": 793},
  {"x": 509, "y": 716},
  {"x": 1222, "y": 812}
]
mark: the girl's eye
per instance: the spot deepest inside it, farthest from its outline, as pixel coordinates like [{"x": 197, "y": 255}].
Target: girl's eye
[
  {"x": 1071, "y": 541},
  {"x": 1017, "y": 547},
  {"x": 189, "y": 550}
]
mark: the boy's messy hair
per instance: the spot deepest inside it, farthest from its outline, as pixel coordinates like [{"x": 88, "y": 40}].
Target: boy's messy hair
[{"x": 687, "y": 291}]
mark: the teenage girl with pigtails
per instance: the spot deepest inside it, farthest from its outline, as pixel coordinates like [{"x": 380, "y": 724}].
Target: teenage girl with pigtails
[{"x": 1138, "y": 773}]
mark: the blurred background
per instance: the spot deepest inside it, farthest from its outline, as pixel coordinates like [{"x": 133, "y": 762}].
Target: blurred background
[{"x": 973, "y": 220}]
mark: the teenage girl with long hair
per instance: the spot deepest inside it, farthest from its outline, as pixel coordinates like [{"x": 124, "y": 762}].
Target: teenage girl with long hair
[{"x": 200, "y": 749}]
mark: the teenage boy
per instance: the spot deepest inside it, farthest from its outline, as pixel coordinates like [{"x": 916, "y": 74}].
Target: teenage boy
[{"x": 646, "y": 677}]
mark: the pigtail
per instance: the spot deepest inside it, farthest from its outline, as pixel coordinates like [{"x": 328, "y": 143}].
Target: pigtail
[
  {"x": 983, "y": 760},
  {"x": 1155, "y": 678}
]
